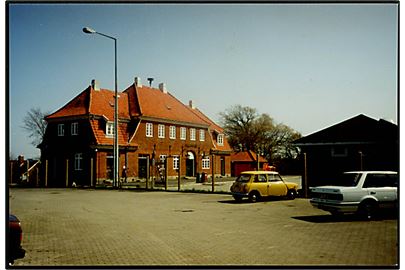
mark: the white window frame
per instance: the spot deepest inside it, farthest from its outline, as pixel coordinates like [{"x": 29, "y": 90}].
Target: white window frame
[
  {"x": 206, "y": 162},
  {"x": 176, "y": 162},
  {"x": 202, "y": 135},
  {"x": 192, "y": 134},
  {"x": 183, "y": 133},
  {"x": 220, "y": 139},
  {"x": 74, "y": 128},
  {"x": 61, "y": 129},
  {"x": 172, "y": 132},
  {"x": 78, "y": 161},
  {"x": 149, "y": 130},
  {"x": 109, "y": 129},
  {"x": 162, "y": 158},
  {"x": 161, "y": 131}
]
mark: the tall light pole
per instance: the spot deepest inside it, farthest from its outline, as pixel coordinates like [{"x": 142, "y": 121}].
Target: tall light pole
[{"x": 88, "y": 30}]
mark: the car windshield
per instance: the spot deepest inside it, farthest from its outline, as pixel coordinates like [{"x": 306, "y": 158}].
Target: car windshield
[
  {"x": 348, "y": 179},
  {"x": 244, "y": 178}
]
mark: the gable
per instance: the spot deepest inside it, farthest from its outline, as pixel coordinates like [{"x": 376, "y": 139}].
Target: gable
[{"x": 360, "y": 128}]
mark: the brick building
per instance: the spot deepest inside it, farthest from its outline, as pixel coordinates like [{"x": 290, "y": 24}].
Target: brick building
[{"x": 153, "y": 126}]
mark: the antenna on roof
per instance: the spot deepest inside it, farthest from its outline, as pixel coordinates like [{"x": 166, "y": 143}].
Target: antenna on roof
[{"x": 150, "y": 81}]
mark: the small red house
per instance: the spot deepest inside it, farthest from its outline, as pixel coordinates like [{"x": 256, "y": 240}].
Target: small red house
[
  {"x": 153, "y": 126},
  {"x": 246, "y": 161}
]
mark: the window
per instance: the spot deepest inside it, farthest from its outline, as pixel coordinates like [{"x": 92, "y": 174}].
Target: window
[
  {"x": 183, "y": 132},
  {"x": 149, "y": 130},
  {"x": 74, "y": 128},
  {"x": 220, "y": 139},
  {"x": 380, "y": 180},
  {"x": 162, "y": 158},
  {"x": 206, "y": 163},
  {"x": 161, "y": 131},
  {"x": 260, "y": 178},
  {"x": 202, "y": 135},
  {"x": 192, "y": 134},
  {"x": 78, "y": 161},
  {"x": 110, "y": 129},
  {"x": 61, "y": 130},
  {"x": 176, "y": 161},
  {"x": 172, "y": 132}
]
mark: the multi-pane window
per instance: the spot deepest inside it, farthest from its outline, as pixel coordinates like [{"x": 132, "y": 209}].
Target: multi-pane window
[
  {"x": 78, "y": 161},
  {"x": 202, "y": 135},
  {"x": 162, "y": 158},
  {"x": 192, "y": 134},
  {"x": 183, "y": 133},
  {"x": 110, "y": 129},
  {"x": 61, "y": 130},
  {"x": 176, "y": 161},
  {"x": 149, "y": 130},
  {"x": 206, "y": 163},
  {"x": 220, "y": 139},
  {"x": 161, "y": 131},
  {"x": 172, "y": 132},
  {"x": 74, "y": 128}
]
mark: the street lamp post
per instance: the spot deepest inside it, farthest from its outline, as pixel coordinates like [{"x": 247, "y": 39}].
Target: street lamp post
[{"x": 88, "y": 30}]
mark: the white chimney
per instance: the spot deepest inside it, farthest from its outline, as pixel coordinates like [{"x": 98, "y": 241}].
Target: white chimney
[
  {"x": 162, "y": 87},
  {"x": 191, "y": 104},
  {"x": 94, "y": 85},
  {"x": 138, "y": 82}
]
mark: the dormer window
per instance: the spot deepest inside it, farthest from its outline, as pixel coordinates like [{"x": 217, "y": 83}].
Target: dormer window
[
  {"x": 109, "y": 129},
  {"x": 61, "y": 130},
  {"x": 220, "y": 139}
]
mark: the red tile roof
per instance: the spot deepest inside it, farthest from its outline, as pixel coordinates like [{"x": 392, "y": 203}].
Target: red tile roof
[
  {"x": 246, "y": 156},
  {"x": 151, "y": 102},
  {"x": 90, "y": 101}
]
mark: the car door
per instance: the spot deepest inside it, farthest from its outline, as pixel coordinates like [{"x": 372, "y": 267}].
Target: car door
[
  {"x": 383, "y": 187},
  {"x": 260, "y": 184},
  {"x": 276, "y": 185}
]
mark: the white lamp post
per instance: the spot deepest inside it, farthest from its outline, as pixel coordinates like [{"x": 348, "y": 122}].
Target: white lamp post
[{"x": 88, "y": 30}]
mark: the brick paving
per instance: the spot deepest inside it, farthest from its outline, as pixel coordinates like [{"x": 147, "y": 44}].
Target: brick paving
[{"x": 85, "y": 227}]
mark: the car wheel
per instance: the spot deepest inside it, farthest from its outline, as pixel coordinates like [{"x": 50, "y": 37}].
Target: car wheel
[
  {"x": 237, "y": 198},
  {"x": 254, "y": 196},
  {"x": 368, "y": 209},
  {"x": 291, "y": 194}
]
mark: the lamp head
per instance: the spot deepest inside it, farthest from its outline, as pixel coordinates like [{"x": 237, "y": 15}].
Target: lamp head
[{"x": 88, "y": 30}]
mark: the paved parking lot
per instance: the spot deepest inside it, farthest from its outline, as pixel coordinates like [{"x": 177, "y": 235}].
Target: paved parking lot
[{"x": 84, "y": 227}]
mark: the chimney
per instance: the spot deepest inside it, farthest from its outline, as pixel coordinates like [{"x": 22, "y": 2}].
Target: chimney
[
  {"x": 191, "y": 104},
  {"x": 162, "y": 87},
  {"x": 150, "y": 81},
  {"x": 138, "y": 82},
  {"x": 94, "y": 85}
]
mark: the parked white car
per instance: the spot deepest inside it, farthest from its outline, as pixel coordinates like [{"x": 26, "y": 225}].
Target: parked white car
[{"x": 362, "y": 192}]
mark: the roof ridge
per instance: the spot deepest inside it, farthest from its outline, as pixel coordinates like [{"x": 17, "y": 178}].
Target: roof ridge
[{"x": 69, "y": 102}]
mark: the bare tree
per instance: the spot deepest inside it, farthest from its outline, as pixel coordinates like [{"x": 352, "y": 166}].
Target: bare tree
[
  {"x": 35, "y": 125},
  {"x": 246, "y": 129}
]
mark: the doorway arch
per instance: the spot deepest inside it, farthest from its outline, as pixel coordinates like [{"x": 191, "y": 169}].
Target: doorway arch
[{"x": 190, "y": 164}]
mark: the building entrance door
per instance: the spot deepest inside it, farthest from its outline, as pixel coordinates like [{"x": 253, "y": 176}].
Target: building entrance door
[
  {"x": 190, "y": 164},
  {"x": 110, "y": 167},
  {"x": 222, "y": 166},
  {"x": 142, "y": 167}
]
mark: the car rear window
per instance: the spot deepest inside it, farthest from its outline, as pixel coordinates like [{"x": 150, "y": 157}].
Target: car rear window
[
  {"x": 349, "y": 180},
  {"x": 244, "y": 178}
]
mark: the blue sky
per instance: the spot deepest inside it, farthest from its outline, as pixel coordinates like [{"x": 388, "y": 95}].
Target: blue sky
[{"x": 308, "y": 66}]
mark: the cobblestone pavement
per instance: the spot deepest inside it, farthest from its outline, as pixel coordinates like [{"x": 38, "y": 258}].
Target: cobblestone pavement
[{"x": 87, "y": 227}]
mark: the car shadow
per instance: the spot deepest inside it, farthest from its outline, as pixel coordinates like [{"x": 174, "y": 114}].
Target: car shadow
[
  {"x": 246, "y": 201},
  {"x": 389, "y": 215}
]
